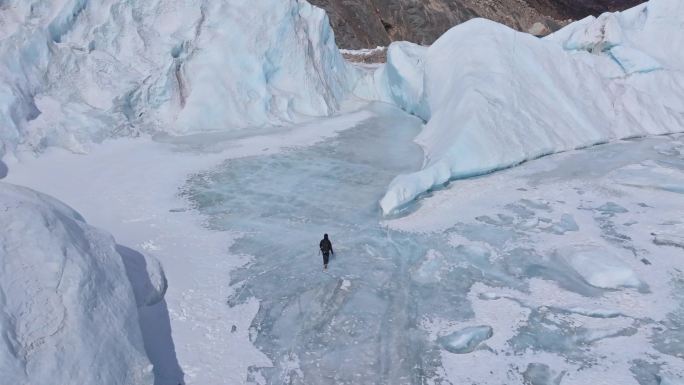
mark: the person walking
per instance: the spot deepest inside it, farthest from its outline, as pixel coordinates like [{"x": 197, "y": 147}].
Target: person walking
[{"x": 326, "y": 249}]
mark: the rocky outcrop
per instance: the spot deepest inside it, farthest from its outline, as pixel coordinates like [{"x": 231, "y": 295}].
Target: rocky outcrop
[{"x": 371, "y": 23}]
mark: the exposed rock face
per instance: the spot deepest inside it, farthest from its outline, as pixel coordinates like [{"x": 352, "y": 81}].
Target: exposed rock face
[{"x": 371, "y": 23}]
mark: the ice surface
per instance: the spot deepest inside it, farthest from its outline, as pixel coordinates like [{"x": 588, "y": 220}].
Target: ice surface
[
  {"x": 356, "y": 323},
  {"x": 584, "y": 323},
  {"x": 466, "y": 340},
  {"x": 482, "y": 251},
  {"x": 377, "y": 314},
  {"x": 68, "y": 295},
  {"x": 74, "y": 72},
  {"x": 514, "y": 97},
  {"x": 668, "y": 380}
]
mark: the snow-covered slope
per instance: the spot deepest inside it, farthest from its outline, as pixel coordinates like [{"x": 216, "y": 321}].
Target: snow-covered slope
[
  {"x": 77, "y": 71},
  {"x": 493, "y": 97},
  {"x": 68, "y": 310}
]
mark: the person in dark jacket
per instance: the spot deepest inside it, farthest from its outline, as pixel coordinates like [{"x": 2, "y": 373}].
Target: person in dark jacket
[{"x": 326, "y": 250}]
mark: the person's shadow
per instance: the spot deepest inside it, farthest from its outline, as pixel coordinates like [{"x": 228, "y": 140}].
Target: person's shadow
[{"x": 154, "y": 321}]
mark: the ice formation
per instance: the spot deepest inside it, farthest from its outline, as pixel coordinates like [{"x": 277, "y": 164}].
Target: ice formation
[
  {"x": 68, "y": 297},
  {"x": 540, "y": 374},
  {"x": 493, "y": 97},
  {"x": 77, "y": 71},
  {"x": 466, "y": 340},
  {"x": 599, "y": 267},
  {"x": 405, "y": 77}
]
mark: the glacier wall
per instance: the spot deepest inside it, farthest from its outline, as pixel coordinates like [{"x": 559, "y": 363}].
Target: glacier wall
[
  {"x": 69, "y": 297},
  {"x": 77, "y": 71},
  {"x": 493, "y": 97}
]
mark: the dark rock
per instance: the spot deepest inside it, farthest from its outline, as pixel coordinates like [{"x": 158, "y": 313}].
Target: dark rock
[{"x": 371, "y": 23}]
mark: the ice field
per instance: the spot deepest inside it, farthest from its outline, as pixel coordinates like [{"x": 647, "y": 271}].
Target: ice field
[{"x": 567, "y": 269}]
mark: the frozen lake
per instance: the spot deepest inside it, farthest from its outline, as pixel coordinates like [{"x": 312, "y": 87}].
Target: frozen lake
[{"x": 564, "y": 270}]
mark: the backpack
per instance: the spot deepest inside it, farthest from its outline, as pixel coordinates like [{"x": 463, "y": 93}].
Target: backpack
[{"x": 325, "y": 246}]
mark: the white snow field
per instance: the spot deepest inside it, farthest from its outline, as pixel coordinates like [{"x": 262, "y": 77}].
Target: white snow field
[
  {"x": 493, "y": 97},
  {"x": 73, "y": 72},
  {"x": 70, "y": 296}
]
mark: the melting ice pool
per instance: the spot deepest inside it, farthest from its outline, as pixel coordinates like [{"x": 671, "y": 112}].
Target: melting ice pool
[{"x": 378, "y": 315}]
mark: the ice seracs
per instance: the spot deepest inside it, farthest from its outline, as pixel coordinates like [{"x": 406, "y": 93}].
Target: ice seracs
[
  {"x": 68, "y": 297},
  {"x": 74, "y": 72},
  {"x": 493, "y": 97},
  {"x": 404, "y": 74}
]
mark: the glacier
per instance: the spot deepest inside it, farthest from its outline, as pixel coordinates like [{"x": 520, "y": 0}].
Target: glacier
[
  {"x": 493, "y": 97},
  {"x": 70, "y": 297},
  {"x": 73, "y": 72}
]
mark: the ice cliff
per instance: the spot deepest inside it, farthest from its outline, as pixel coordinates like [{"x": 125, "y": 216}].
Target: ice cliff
[
  {"x": 493, "y": 97},
  {"x": 69, "y": 297},
  {"x": 77, "y": 71}
]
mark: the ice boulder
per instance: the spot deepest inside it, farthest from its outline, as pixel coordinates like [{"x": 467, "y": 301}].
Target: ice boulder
[
  {"x": 404, "y": 74},
  {"x": 611, "y": 34},
  {"x": 633, "y": 60},
  {"x": 541, "y": 374},
  {"x": 69, "y": 313},
  {"x": 430, "y": 268},
  {"x": 145, "y": 274},
  {"x": 599, "y": 267},
  {"x": 497, "y": 97},
  {"x": 467, "y": 339},
  {"x": 595, "y": 34},
  {"x": 652, "y": 28},
  {"x": 74, "y": 72}
]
